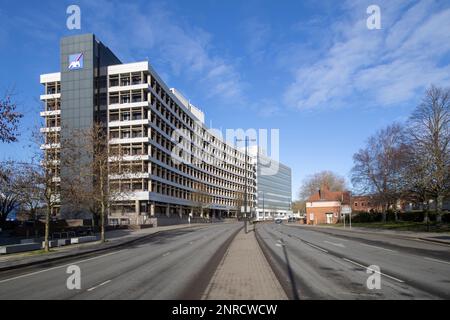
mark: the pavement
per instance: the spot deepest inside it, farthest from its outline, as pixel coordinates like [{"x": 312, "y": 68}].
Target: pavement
[
  {"x": 244, "y": 273},
  {"x": 329, "y": 263},
  {"x": 114, "y": 239},
  {"x": 172, "y": 264}
]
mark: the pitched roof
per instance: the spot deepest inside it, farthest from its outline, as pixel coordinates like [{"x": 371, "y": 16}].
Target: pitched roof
[{"x": 326, "y": 195}]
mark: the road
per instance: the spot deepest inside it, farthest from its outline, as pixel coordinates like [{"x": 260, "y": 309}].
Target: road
[
  {"x": 175, "y": 264},
  {"x": 319, "y": 263}
]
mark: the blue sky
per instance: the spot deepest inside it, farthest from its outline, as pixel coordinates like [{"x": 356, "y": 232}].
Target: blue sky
[{"x": 309, "y": 68}]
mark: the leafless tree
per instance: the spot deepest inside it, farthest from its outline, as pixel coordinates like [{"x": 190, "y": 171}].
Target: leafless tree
[
  {"x": 9, "y": 119},
  {"x": 201, "y": 198},
  {"x": 378, "y": 168},
  {"x": 312, "y": 183},
  {"x": 90, "y": 188},
  {"x": 9, "y": 195},
  {"x": 429, "y": 135}
]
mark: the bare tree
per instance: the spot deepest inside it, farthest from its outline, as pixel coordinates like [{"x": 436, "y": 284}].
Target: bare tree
[
  {"x": 201, "y": 199},
  {"x": 312, "y": 183},
  {"x": 429, "y": 134},
  {"x": 9, "y": 119},
  {"x": 378, "y": 168},
  {"x": 90, "y": 189},
  {"x": 9, "y": 195}
]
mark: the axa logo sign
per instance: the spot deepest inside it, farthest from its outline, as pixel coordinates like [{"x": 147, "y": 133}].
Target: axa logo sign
[{"x": 76, "y": 61}]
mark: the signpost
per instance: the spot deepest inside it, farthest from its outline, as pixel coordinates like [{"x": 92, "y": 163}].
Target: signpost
[{"x": 346, "y": 209}]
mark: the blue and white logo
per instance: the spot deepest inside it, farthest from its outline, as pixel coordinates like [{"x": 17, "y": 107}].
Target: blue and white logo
[{"x": 76, "y": 61}]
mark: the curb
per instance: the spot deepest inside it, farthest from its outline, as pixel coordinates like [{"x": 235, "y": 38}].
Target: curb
[{"x": 80, "y": 254}]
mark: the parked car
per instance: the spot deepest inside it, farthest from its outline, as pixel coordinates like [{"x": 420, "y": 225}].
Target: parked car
[
  {"x": 292, "y": 219},
  {"x": 278, "y": 221}
]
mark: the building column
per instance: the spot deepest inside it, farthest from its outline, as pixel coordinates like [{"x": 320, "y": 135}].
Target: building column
[
  {"x": 180, "y": 212},
  {"x": 201, "y": 212},
  {"x": 168, "y": 211},
  {"x": 137, "y": 211},
  {"x": 152, "y": 210}
]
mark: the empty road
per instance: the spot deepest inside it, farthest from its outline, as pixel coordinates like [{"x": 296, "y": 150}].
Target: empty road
[
  {"x": 320, "y": 263},
  {"x": 175, "y": 264}
]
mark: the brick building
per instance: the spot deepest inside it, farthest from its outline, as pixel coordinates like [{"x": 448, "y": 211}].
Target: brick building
[{"x": 324, "y": 206}]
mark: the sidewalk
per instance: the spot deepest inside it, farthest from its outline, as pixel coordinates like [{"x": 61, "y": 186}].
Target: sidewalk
[
  {"x": 244, "y": 274},
  {"x": 442, "y": 238},
  {"x": 115, "y": 238}
]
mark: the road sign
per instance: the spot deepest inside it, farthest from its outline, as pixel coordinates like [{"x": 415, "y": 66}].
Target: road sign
[{"x": 346, "y": 209}]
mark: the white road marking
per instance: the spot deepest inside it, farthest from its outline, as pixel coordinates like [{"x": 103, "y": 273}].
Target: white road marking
[
  {"x": 54, "y": 268},
  {"x": 360, "y": 265},
  {"x": 318, "y": 248},
  {"x": 335, "y": 244},
  {"x": 101, "y": 284},
  {"x": 381, "y": 248},
  {"x": 436, "y": 260},
  {"x": 166, "y": 254}
]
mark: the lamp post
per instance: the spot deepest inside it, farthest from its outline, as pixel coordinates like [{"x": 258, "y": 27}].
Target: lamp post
[{"x": 247, "y": 139}]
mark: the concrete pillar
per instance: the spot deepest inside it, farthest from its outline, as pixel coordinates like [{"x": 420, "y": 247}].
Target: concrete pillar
[
  {"x": 168, "y": 211},
  {"x": 201, "y": 212},
  {"x": 180, "y": 212},
  {"x": 152, "y": 210},
  {"x": 137, "y": 210}
]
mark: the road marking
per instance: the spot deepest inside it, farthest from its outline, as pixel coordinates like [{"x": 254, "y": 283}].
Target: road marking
[
  {"x": 101, "y": 284},
  {"x": 436, "y": 260},
  {"x": 335, "y": 244},
  {"x": 360, "y": 265},
  {"x": 318, "y": 248},
  {"x": 166, "y": 254},
  {"x": 368, "y": 245},
  {"x": 54, "y": 268}
]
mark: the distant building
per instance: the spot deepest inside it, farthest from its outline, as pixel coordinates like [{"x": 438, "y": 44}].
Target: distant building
[
  {"x": 365, "y": 204},
  {"x": 273, "y": 187},
  {"x": 324, "y": 206}
]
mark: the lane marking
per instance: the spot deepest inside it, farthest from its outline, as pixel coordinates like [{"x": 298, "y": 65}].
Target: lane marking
[
  {"x": 364, "y": 267},
  {"x": 436, "y": 260},
  {"x": 318, "y": 248},
  {"x": 335, "y": 244},
  {"x": 166, "y": 254},
  {"x": 368, "y": 245},
  {"x": 58, "y": 267},
  {"x": 101, "y": 284}
]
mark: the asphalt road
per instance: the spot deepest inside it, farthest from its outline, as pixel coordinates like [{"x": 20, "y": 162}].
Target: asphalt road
[
  {"x": 175, "y": 264},
  {"x": 314, "y": 263}
]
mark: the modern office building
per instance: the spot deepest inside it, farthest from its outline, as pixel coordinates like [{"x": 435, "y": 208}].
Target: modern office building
[
  {"x": 273, "y": 187},
  {"x": 168, "y": 162}
]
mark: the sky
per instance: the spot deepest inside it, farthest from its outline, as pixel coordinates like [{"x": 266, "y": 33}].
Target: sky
[{"x": 311, "y": 68}]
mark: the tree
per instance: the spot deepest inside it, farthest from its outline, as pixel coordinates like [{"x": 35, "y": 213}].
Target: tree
[
  {"x": 9, "y": 195},
  {"x": 9, "y": 119},
  {"x": 378, "y": 168},
  {"x": 312, "y": 183},
  {"x": 428, "y": 173},
  {"x": 90, "y": 188},
  {"x": 201, "y": 198}
]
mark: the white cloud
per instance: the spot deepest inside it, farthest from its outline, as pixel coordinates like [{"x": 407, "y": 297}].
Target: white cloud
[
  {"x": 384, "y": 67},
  {"x": 186, "y": 50}
]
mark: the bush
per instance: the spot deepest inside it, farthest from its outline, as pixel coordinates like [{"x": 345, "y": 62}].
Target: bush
[{"x": 366, "y": 217}]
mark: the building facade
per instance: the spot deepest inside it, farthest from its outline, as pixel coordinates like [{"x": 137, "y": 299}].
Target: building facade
[
  {"x": 325, "y": 206},
  {"x": 168, "y": 162},
  {"x": 273, "y": 187}
]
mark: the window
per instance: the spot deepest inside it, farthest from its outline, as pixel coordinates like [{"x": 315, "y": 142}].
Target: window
[
  {"x": 114, "y": 80},
  {"x": 356, "y": 204}
]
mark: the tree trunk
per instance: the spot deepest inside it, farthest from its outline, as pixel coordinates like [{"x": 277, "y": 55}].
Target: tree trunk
[
  {"x": 102, "y": 218},
  {"x": 47, "y": 229},
  {"x": 439, "y": 201}
]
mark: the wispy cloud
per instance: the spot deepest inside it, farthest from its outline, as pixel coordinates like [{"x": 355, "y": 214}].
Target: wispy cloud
[
  {"x": 188, "y": 51},
  {"x": 383, "y": 67}
]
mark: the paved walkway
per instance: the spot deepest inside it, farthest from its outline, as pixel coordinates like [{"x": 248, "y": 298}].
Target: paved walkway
[{"x": 244, "y": 274}]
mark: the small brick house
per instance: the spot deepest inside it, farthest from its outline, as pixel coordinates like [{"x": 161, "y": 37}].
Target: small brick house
[{"x": 324, "y": 206}]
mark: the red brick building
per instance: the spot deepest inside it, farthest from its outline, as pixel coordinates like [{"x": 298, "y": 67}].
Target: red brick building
[
  {"x": 324, "y": 207},
  {"x": 365, "y": 204}
]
